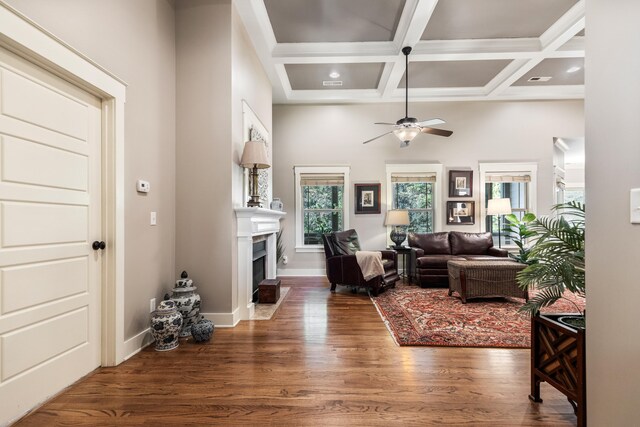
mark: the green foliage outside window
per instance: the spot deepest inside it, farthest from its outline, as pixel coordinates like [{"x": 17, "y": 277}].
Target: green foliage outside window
[
  {"x": 417, "y": 198},
  {"x": 322, "y": 211}
]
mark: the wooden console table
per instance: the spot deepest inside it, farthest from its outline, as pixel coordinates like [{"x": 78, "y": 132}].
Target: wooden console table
[{"x": 558, "y": 357}]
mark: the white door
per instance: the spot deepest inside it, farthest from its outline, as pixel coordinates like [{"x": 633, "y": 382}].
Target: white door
[{"x": 50, "y": 194}]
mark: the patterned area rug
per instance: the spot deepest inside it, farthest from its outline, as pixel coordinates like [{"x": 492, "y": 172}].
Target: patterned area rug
[{"x": 429, "y": 317}]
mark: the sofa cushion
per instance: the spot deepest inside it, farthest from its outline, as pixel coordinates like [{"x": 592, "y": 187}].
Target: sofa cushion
[
  {"x": 431, "y": 243},
  {"x": 436, "y": 261},
  {"x": 470, "y": 243},
  {"x": 345, "y": 242}
]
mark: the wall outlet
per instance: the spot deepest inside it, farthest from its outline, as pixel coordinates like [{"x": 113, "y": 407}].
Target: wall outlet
[
  {"x": 152, "y": 305},
  {"x": 285, "y": 259}
]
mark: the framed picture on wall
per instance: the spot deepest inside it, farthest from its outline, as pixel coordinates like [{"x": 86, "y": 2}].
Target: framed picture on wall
[
  {"x": 367, "y": 198},
  {"x": 461, "y": 213},
  {"x": 460, "y": 183}
]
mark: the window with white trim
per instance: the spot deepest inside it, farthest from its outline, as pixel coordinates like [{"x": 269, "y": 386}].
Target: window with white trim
[
  {"x": 322, "y": 200},
  {"x": 513, "y": 181},
  {"x": 414, "y": 193},
  {"x": 415, "y": 188}
]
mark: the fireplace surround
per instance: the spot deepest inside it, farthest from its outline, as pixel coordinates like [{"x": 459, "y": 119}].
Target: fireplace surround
[{"x": 253, "y": 226}]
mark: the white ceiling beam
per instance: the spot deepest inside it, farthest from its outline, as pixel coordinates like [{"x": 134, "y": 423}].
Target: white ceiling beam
[
  {"x": 333, "y": 95},
  {"x": 317, "y": 53},
  {"x": 551, "y": 40},
  {"x": 477, "y": 49},
  {"x": 408, "y": 34},
  {"x": 565, "y": 28},
  {"x": 544, "y": 92},
  {"x": 256, "y": 21},
  {"x": 506, "y": 74}
]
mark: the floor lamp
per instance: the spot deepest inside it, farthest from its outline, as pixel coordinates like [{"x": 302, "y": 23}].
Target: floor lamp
[{"x": 499, "y": 207}]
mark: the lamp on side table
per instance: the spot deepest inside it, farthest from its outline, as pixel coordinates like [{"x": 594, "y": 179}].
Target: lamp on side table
[{"x": 397, "y": 218}]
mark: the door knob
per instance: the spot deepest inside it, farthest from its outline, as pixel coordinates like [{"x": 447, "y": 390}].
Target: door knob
[{"x": 98, "y": 245}]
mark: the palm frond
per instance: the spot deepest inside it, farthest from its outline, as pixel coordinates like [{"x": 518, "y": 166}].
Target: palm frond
[{"x": 560, "y": 254}]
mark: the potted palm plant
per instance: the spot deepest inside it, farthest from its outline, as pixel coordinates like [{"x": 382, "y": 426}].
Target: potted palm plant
[
  {"x": 558, "y": 252},
  {"x": 558, "y": 341}
]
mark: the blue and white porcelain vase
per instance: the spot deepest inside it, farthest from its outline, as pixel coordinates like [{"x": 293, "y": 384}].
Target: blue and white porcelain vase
[
  {"x": 187, "y": 302},
  {"x": 166, "y": 324},
  {"x": 276, "y": 204},
  {"x": 202, "y": 331}
]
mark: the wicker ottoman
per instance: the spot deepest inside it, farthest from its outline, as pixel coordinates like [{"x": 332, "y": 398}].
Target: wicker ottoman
[{"x": 480, "y": 279}]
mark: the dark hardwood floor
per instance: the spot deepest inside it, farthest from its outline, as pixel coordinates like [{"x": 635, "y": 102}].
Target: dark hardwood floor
[{"x": 323, "y": 360}]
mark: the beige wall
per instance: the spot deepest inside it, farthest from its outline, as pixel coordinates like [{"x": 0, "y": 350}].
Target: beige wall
[
  {"x": 135, "y": 40},
  {"x": 483, "y": 132},
  {"x": 203, "y": 179},
  {"x": 613, "y": 249},
  {"x": 217, "y": 69}
]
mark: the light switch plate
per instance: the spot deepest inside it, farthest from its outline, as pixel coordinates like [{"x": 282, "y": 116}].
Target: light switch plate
[
  {"x": 153, "y": 218},
  {"x": 634, "y": 204}
]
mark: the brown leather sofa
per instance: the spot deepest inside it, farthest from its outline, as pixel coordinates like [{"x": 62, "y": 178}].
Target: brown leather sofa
[
  {"x": 343, "y": 269},
  {"x": 432, "y": 251}
]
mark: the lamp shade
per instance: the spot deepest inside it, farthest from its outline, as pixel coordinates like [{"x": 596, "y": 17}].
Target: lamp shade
[
  {"x": 255, "y": 154},
  {"x": 406, "y": 134},
  {"x": 397, "y": 217},
  {"x": 499, "y": 207}
]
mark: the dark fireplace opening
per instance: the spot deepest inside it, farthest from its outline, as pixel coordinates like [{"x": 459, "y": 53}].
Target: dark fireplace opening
[{"x": 259, "y": 258}]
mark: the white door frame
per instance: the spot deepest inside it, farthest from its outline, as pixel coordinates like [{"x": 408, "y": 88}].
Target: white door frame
[{"x": 24, "y": 37}]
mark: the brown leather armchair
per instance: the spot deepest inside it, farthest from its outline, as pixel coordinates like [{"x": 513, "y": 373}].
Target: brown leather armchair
[{"x": 343, "y": 269}]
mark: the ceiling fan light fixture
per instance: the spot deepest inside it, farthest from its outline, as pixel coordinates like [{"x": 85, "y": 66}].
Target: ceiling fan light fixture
[{"x": 406, "y": 134}]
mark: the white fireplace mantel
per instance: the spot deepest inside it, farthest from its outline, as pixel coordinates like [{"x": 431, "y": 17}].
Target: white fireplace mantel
[{"x": 252, "y": 222}]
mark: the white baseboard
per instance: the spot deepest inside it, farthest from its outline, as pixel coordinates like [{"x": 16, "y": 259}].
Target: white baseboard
[
  {"x": 132, "y": 346},
  {"x": 224, "y": 320},
  {"x": 301, "y": 272}
]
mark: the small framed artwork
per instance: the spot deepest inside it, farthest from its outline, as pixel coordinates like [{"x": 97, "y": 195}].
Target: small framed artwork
[
  {"x": 460, "y": 183},
  {"x": 367, "y": 198},
  {"x": 461, "y": 213}
]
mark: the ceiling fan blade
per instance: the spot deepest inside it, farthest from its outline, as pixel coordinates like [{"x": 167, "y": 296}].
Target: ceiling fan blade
[
  {"x": 379, "y": 136},
  {"x": 382, "y": 123},
  {"x": 434, "y": 131},
  {"x": 431, "y": 122}
]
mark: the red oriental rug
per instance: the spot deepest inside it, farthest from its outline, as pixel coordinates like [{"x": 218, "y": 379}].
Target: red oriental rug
[{"x": 429, "y": 317}]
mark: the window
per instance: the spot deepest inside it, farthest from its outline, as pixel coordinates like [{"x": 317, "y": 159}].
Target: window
[
  {"x": 322, "y": 196},
  {"x": 415, "y": 188},
  {"x": 511, "y": 181},
  {"x": 414, "y": 193}
]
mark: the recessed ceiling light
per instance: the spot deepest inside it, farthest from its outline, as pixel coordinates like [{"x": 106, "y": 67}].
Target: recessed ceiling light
[
  {"x": 573, "y": 69},
  {"x": 334, "y": 75}
]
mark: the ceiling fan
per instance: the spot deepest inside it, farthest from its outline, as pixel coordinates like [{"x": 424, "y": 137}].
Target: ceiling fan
[{"x": 408, "y": 128}]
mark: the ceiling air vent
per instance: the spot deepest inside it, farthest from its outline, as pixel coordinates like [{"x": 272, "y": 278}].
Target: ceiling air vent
[
  {"x": 332, "y": 83},
  {"x": 539, "y": 79}
]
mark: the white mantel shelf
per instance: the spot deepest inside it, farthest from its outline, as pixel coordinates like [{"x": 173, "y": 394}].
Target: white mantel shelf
[
  {"x": 257, "y": 221},
  {"x": 254, "y": 222}
]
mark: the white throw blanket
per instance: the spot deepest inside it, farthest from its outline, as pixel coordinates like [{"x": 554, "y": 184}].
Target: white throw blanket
[{"x": 370, "y": 263}]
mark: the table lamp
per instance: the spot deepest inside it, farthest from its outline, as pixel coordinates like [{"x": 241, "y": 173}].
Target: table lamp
[
  {"x": 254, "y": 157},
  {"x": 397, "y": 218}
]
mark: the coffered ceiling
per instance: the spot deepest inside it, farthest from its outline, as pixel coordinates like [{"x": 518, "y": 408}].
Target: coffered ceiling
[{"x": 317, "y": 51}]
